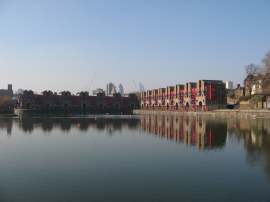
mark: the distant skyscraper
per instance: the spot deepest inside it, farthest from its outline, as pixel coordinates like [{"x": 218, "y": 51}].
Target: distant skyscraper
[
  {"x": 121, "y": 89},
  {"x": 109, "y": 88},
  {"x": 114, "y": 90},
  {"x": 141, "y": 87}
]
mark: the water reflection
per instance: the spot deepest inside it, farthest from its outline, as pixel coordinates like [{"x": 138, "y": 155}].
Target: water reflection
[
  {"x": 108, "y": 124},
  {"x": 6, "y": 124},
  {"x": 191, "y": 130},
  {"x": 256, "y": 137},
  {"x": 199, "y": 132},
  {"x": 209, "y": 133}
]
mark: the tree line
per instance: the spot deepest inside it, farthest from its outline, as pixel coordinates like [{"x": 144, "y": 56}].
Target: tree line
[{"x": 255, "y": 73}]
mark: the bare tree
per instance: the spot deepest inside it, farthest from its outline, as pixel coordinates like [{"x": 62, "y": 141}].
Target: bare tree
[
  {"x": 266, "y": 76},
  {"x": 266, "y": 62},
  {"x": 251, "y": 72},
  {"x": 5, "y": 102}
]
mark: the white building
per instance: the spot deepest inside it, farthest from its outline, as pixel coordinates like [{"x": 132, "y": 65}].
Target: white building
[{"x": 229, "y": 85}]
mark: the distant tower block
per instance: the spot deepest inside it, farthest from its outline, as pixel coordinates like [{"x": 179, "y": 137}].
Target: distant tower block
[
  {"x": 10, "y": 87},
  {"x": 141, "y": 87},
  {"x": 109, "y": 88},
  {"x": 229, "y": 85},
  {"x": 121, "y": 89}
]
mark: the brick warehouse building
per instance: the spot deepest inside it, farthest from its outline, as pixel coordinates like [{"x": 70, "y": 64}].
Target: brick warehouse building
[
  {"x": 203, "y": 95},
  {"x": 65, "y": 101}
]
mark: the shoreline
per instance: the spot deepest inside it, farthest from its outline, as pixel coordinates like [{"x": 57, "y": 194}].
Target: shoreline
[
  {"x": 221, "y": 112},
  {"x": 7, "y": 115}
]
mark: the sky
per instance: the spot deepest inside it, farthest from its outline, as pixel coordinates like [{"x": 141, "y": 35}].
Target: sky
[{"x": 80, "y": 45}]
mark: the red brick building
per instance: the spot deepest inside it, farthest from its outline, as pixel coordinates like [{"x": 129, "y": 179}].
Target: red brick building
[
  {"x": 203, "y": 95},
  {"x": 65, "y": 101}
]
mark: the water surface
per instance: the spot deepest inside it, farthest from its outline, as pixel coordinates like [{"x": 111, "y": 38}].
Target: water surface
[{"x": 134, "y": 158}]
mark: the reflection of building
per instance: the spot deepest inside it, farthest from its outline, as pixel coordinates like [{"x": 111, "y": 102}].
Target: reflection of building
[
  {"x": 82, "y": 101},
  {"x": 7, "y": 92},
  {"x": 193, "y": 131},
  {"x": 6, "y": 124},
  {"x": 255, "y": 134},
  {"x": 107, "y": 123},
  {"x": 203, "y": 95}
]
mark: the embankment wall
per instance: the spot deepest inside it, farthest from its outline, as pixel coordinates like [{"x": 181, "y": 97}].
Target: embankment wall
[{"x": 221, "y": 112}]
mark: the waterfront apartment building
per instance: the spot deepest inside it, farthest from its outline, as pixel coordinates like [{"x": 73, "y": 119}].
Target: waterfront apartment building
[
  {"x": 201, "y": 95},
  {"x": 50, "y": 101}
]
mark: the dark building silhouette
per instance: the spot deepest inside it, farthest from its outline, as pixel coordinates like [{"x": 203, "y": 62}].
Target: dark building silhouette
[
  {"x": 7, "y": 92},
  {"x": 49, "y": 101}
]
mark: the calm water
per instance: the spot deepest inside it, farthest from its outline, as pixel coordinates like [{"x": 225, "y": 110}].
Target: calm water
[{"x": 134, "y": 158}]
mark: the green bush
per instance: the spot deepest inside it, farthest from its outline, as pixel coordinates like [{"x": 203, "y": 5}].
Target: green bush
[
  {"x": 244, "y": 98},
  {"x": 256, "y": 99}
]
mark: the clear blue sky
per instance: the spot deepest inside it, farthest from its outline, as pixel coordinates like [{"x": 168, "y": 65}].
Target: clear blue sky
[{"x": 60, "y": 44}]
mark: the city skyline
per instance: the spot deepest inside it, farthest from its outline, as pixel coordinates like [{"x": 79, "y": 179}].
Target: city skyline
[{"x": 75, "y": 46}]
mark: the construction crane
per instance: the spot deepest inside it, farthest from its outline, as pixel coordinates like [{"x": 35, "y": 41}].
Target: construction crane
[
  {"x": 90, "y": 87},
  {"x": 136, "y": 87}
]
